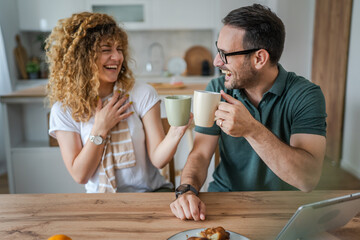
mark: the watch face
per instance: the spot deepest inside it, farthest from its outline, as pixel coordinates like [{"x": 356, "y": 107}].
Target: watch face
[
  {"x": 182, "y": 189},
  {"x": 98, "y": 140}
]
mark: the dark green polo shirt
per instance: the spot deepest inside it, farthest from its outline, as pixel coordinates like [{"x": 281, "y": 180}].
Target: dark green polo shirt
[{"x": 292, "y": 105}]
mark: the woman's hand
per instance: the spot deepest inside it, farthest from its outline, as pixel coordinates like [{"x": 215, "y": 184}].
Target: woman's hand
[
  {"x": 161, "y": 148},
  {"x": 111, "y": 114},
  {"x": 180, "y": 131}
]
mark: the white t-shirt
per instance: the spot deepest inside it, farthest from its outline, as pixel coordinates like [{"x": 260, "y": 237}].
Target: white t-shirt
[{"x": 144, "y": 176}]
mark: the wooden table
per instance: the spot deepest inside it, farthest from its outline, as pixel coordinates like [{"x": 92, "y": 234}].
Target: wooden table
[{"x": 256, "y": 215}]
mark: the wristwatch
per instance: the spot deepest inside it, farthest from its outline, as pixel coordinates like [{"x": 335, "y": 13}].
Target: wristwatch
[
  {"x": 97, "y": 140},
  {"x": 183, "y": 188}
]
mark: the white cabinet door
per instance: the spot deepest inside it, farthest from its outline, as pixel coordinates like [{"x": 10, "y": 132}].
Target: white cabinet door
[
  {"x": 161, "y": 14},
  {"x": 42, "y": 15},
  {"x": 133, "y": 14},
  {"x": 184, "y": 14},
  {"x": 42, "y": 170}
]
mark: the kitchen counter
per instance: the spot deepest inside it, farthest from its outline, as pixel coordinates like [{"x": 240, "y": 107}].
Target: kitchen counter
[
  {"x": 255, "y": 215},
  {"x": 25, "y": 84},
  {"x": 39, "y": 92},
  {"x": 33, "y": 94}
]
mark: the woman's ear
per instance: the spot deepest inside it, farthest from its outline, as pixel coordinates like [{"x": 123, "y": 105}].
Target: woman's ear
[{"x": 261, "y": 57}]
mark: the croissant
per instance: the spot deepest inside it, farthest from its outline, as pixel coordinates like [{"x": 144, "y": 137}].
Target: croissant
[{"x": 217, "y": 233}]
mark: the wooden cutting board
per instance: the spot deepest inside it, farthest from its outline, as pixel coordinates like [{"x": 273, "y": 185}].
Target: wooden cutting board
[
  {"x": 194, "y": 58},
  {"x": 21, "y": 57},
  {"x": 160, "y": 86}
]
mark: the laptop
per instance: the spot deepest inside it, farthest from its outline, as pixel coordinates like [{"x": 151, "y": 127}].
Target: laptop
[{"x": 312, "y": 221}]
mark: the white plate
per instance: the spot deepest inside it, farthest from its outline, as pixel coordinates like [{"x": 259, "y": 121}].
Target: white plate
[{"x": 194, "y": 233}]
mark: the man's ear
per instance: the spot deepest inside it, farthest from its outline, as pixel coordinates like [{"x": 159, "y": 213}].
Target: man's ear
[{"x": 261, "y": 57}]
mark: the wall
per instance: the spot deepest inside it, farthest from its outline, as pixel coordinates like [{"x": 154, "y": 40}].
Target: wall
[
  {"x": 351, "y": 138},
  {"x": 10, "y": 26},
  {"x": 298, "y": 17}
]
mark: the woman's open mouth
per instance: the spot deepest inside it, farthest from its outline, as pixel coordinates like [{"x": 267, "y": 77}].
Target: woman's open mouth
[{"x": 111, "y": 67}]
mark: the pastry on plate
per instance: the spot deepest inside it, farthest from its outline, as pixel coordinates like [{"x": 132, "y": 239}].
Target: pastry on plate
[{"x": 217, "y": 233}]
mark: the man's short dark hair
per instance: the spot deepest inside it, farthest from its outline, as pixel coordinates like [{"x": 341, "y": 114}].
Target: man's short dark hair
[{"x": 263, "y": 29}]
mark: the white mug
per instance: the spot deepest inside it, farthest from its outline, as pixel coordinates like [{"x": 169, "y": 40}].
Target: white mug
[{"x": 205, "y": 105}]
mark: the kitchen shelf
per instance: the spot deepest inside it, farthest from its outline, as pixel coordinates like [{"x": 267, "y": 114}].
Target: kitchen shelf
[{"x": 28, "y": 83}]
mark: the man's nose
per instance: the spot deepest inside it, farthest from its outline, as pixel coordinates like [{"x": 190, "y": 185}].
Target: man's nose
[{"x": 217, "y": 61}]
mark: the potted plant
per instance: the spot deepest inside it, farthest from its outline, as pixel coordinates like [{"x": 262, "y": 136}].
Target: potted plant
[{"x": 33, "y": 68}]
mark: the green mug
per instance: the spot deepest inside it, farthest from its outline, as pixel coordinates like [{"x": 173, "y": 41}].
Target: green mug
[{"x": 178, "y": 109}]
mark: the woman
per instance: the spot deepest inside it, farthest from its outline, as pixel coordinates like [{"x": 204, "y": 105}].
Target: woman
[{"x": 108, "y": 127}]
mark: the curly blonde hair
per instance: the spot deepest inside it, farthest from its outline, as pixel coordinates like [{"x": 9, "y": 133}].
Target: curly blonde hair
[{"x": 72, "y": 50}]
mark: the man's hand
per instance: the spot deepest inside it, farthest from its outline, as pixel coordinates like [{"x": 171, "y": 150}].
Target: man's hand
[
  {"x": 233, "y": 117},
  {"x": 188, "y": 206}
]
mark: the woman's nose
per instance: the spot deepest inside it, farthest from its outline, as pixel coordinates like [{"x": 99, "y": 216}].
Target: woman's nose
[
  {"x": 116, "y": 55},
  {"x": 217, "y": 61}
]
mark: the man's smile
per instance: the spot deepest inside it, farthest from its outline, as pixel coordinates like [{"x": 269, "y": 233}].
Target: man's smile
[{"x": 227, "y": 74}]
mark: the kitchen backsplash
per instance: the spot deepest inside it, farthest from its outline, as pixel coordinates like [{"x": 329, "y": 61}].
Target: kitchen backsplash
[
  {"x": 174, "y": 44},
  {"x": 170, "y": 44}
]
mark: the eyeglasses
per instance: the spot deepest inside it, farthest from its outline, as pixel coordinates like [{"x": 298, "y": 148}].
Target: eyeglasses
[{"x": 224, "y": 55}]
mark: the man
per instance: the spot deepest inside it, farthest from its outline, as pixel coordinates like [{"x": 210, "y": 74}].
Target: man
[{"x": 271, "y": 123}]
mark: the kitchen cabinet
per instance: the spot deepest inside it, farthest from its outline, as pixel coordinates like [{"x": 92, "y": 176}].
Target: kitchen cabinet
[
  {"x": 32, "y": 165},
  {"x": 134, "y": 14},
  {"x": 42, "y": 15},
  {"x": 185, "y": 14},
  {"x": 41, "y": 170},
  {"x": 158, "y": 14}
]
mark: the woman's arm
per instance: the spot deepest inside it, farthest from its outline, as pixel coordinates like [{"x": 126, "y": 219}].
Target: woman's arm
[
  {"x": 161, "y": 148},
  {"x": 82, "y": 161}
]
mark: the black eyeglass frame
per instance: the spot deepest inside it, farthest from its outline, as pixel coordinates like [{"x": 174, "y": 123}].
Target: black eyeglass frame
[{"x": 223, "y": 56}]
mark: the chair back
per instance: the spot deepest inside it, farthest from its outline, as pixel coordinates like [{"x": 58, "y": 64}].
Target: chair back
[{"x": 169, "y": 170}]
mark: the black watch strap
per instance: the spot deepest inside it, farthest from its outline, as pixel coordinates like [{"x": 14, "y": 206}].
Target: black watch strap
[{"x": 183, "y": 188}]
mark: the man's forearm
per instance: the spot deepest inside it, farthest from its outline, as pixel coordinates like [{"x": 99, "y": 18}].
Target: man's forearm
[
  {"x": 292, "y": 164},
  {"x": 195, "y": 171}
]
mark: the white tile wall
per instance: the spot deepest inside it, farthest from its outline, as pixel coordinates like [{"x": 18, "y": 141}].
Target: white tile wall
[{"x": 174, "y": 43}]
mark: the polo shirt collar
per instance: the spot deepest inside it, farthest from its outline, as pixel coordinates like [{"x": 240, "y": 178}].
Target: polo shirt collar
[
  {"x": 237, "y": 93},
  {"x": 280, "y": 81},
  {"x": 277, "y": 88}
]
